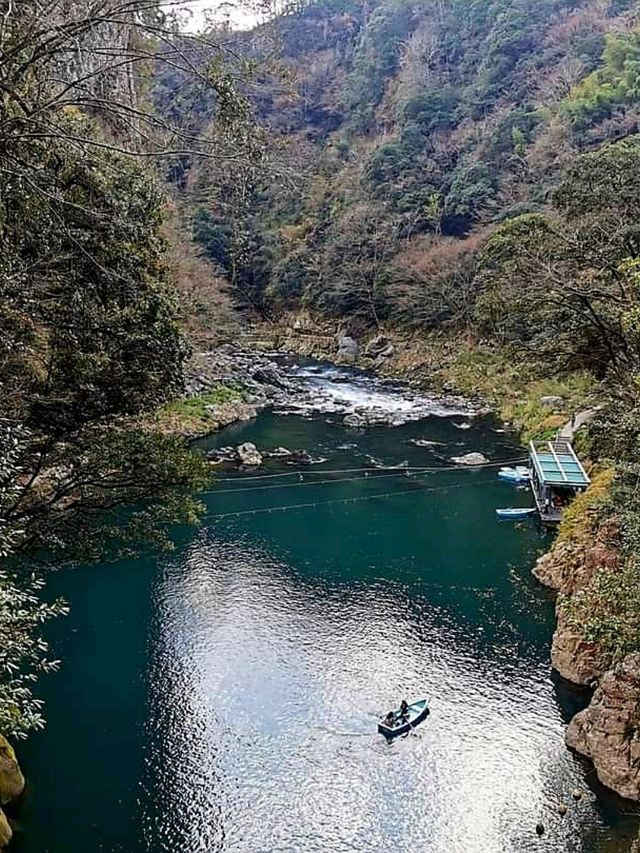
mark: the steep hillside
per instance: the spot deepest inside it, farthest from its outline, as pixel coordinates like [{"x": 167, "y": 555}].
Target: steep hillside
[{"x": 409, "y": 132}]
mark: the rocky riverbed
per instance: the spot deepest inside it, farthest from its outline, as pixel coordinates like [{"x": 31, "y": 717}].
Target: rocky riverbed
[{"x": 290, "y": 386}]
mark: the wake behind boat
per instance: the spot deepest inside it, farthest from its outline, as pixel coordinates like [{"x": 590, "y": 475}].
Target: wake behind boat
[{"x": 399, "y": 723}]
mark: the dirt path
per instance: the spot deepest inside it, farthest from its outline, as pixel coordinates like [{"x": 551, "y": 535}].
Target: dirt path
[{"x": 569, "y": 430}]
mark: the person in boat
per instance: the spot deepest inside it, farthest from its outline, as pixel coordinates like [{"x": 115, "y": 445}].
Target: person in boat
[
  {"x": 404, "y": 710},
  {"x": 390, "y": 720}
]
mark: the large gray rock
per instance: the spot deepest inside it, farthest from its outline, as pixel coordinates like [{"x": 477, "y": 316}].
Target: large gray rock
[
  {"x": 348, "y": 350},
  {"x": 556, "y": 404},
  {"x": 470, "y": 459},
  {"x": 248, "y": 455}
]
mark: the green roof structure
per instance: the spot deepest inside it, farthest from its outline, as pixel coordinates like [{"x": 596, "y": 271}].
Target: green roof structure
[{"x": 556, "y": 464}]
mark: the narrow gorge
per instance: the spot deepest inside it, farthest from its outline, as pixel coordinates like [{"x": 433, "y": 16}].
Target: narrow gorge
[{"x": 295, "y": 301}]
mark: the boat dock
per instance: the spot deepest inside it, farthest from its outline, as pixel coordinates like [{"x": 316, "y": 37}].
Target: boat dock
[{"x": 557, "y": 476}]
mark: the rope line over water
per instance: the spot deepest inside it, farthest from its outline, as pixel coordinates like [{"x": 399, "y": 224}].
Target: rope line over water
[
  {"x": 368, "y": 473},
  {"x": 314, "y": 504}
]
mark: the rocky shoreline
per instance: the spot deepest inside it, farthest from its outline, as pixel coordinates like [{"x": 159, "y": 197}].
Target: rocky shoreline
[{"x": 607, "y": 731}]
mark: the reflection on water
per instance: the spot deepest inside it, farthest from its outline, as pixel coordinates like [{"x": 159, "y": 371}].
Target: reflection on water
[
  {"x": 227, "y": 699},
  {"x": 286, "y": 757}
]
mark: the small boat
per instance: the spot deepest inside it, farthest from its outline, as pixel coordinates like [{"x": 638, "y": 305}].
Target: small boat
[
  {"x": 516, "y": 514},
  {"x": 417, "y": 713},
  {"x": 518, "y": 475}
]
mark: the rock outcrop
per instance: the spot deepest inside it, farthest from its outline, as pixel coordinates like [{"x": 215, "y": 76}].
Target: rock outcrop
[
  {"x": 556, "y": 404},
  {"x": 11, "y": 786},
  {"x": 573, "y": 657},
  {"x": 248, "y": 455},
  {"x": 470, "y": 459},
  {"x": 5, "y": 831},
  {"x": 569, "y": 568},
  {"x": 11, "y": 778},
  {"x": 608, "y": 731}
]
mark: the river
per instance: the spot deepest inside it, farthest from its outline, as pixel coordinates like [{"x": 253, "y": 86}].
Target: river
[{"x": 225, "y": 697}]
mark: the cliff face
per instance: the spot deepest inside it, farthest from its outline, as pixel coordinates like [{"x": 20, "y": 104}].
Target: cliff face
[
  {"x": 569, "y": 568},
  {"x": 607, "y": 731}
]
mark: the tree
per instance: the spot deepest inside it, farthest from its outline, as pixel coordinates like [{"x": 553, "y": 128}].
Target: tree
[
  {"x": 90, "y": 338},
  {"x": 566, "y": 286}
]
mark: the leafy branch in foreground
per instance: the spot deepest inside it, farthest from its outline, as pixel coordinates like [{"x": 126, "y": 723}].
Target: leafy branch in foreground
[
  {"x": 90, "y": 340},
  {"x": 23, "y": 654}
]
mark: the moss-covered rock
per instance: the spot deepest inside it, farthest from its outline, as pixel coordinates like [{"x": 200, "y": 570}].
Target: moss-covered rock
[
  {"x": 5, "y": 831},
  {"x": 11, "y": 778}
]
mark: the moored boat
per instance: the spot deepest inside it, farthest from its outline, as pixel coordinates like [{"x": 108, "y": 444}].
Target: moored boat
[
  {"x": 518, "y": 475},
  {"x": 516, "y": 513},
  {"x": 417, "y": 712}
]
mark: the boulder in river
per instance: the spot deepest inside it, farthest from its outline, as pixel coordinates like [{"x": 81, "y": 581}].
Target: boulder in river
[
  {"x": 303, "y": 457},
  {"x": 355, "y": 420},
  {"x": 248, "y": 455},
  {"x": 348, "y": 350},
  {"x": 470, "y": 459},
  {"x": 221, "y": 455},
  {"x": 278, "y": 453}
]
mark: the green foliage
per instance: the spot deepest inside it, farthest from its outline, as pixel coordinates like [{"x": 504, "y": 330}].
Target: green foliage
[
  {"x": 578, "y": 307},
  {"x": 607, "y": 613},
  {"x": 215, "y": 237},
  {"x": 432, "y": 109},
  {"x": 90, "y": 340},
  {"x": 614, "y": 85},
  {"x": 23, "y": 654},
  {"x": 196, "y": 415},
  {"x": 377, "y": 56},
  {"x": 471, "y": 194}
]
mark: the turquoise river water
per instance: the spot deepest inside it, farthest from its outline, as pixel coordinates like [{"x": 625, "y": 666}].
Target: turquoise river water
[{"x": 225, "y": 697}]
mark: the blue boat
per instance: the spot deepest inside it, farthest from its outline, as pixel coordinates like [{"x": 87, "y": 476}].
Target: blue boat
[
  {"x": 520, "y": 475},
  {"x": 516, "y": 514},
  {"x": 416, "y": 714}
]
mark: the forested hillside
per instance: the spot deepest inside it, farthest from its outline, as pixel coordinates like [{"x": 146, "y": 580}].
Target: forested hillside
[{"x": 410, "y": 132}]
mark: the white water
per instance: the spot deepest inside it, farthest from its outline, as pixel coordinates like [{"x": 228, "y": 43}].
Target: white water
[{"x": 331, "y": 390}]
